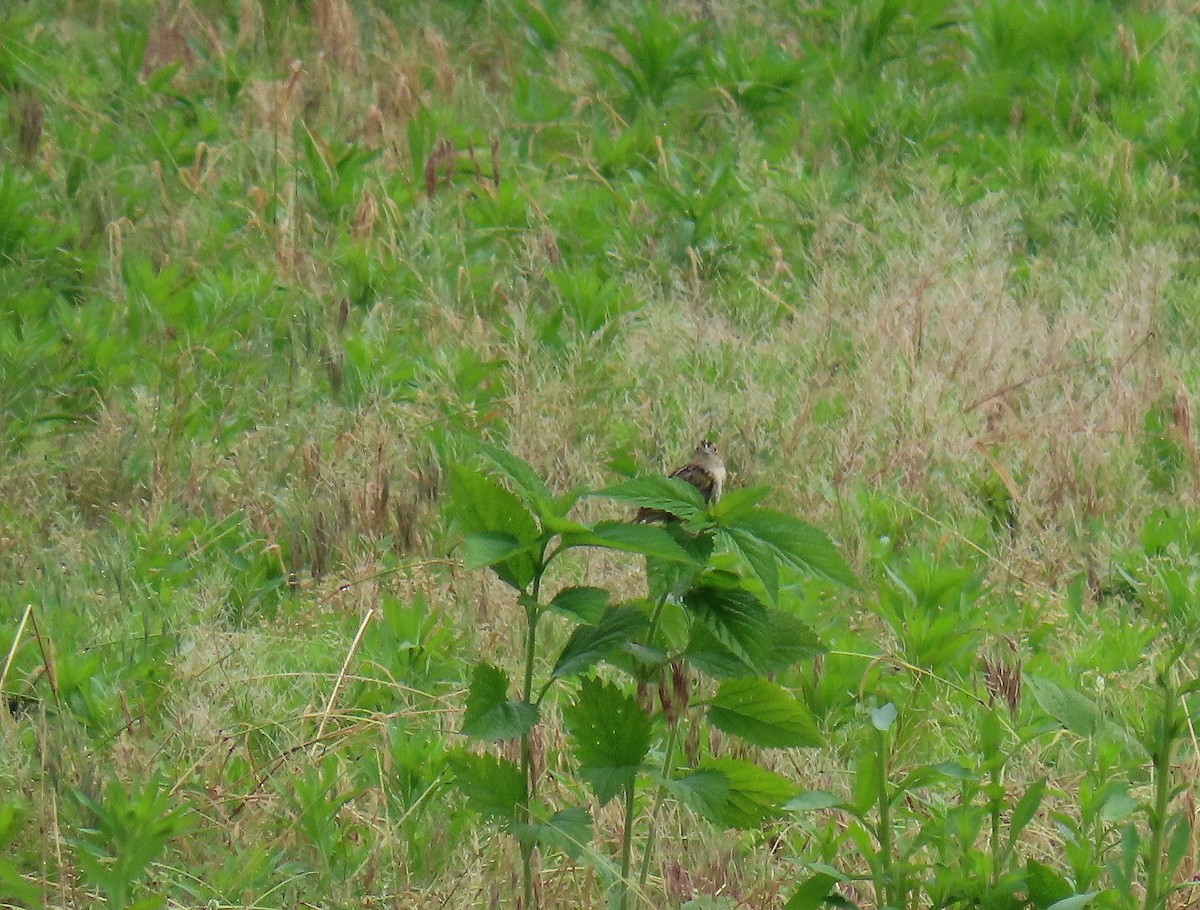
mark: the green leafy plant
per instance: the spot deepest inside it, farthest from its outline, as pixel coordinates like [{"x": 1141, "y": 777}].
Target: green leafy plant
[
  {"x": 714, "y": 608},
  {"x": 124, "y": 832},
  {"x": 656, "y": 56},
  {"x": 12, "y": 886}
]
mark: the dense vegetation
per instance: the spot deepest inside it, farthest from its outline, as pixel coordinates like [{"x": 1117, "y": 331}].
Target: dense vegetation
[{"x": 340, "y": 338}]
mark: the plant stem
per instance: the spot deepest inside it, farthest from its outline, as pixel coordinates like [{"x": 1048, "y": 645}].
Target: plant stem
[
  {"x": 651, "y": 834},
  {"x": 884, "y": 878},
  {"x": 626, "y": 849},
  {"x": 1164, "y": 741},
  {"x": 655, "y": 615},
  {"x": 531, "y": 621},
  {"x": 997, "y": 802}
]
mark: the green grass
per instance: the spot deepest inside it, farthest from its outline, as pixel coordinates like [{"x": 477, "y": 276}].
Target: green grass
[{"x": 269, "y": 272}]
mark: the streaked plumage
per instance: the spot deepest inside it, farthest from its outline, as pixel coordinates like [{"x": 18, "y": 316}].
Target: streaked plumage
[{"x": 705, "y": 471}]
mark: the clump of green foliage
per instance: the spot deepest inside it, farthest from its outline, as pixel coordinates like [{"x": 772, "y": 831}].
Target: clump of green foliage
[{"x": 273, "y": 275}]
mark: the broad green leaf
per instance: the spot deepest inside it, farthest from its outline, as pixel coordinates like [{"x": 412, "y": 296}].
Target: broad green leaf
[
  {"x": 711, "y": 656},
  {"x": 1179, "y": 841},
  {"x": 954, "y": 771},
  {"x": 761, "y": 559},
  {"x": 556, "y": 524},
  {"x": 864, "y": 790},
  {"x": 670, "y": 494},
  {"x": 611, "y": 735},
  {"x": 530, "y": 487},
  {"x": 1070, "y": 708},
  {"x": 1025, "y": 809},
  {"x": 812, "y": 892},
  {"x": 794, "y": 543},
  {"x": 762, "y": 713},
  {"x": 790, "y": 640},
  {"x": 704, "y": 792},
  {"x": 735, "y": 616},
  {"x": 1124, "y": 872},
  {"x": 583, "y": 603},
  {"x": 494, "y": 787},
  {"x": 1045, "y": 886},
  {"x": 647, "y": 540},
  {"x": 487, "y": 548},
  {"x": 1118, "y": 806},
  {"x": 480, "y": 505},
  {"x": 812, "y": 800},
  {"x": 490, "y": 714},
  {"x": 737, "y": 502},
  {"x": 755, "y": 794},
  {"x": 590, "y": 644},
  {"x": 671, "y": 579},
  {"x": 569, "y": 831}
]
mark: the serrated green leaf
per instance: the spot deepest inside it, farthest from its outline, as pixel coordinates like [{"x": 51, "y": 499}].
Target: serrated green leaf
[
  {"x": 735, "y": 617},
  {"x": 487, "y": 548},
  {"x": 669, "y": 494},
  {"x": 494, "y": 787},
  {"x": 755, "y": 794},
  {"x": 704, "y": 792},
  {"x": 568, "y": 831},
  {"x": 647, "y": 540},
  {"x": 490, "y": 714},
  {"x": 589, "y": 644},
  {"x": 761, "y": 559},
  {"x": 583, "y": 603},
  {"x": 530, "y": 487},
  {"x": 793, "y": 543},
  {"x": 711, "y": 656},
  {"x": 762, "y": 713},
  {"x": 480, "y": 505},
  {"x": 611, "y": 736},
  {"x": 737, "y": 502},
  {"x": 790, "y": 640}
]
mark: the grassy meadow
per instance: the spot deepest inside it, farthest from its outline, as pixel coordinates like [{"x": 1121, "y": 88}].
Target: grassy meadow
[{"x": 321, "y": 320}]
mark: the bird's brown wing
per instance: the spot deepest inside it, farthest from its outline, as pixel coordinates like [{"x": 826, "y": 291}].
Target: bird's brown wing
[
  {"x": 701, "y": 478},
  {"x": 697, "y": 476}
]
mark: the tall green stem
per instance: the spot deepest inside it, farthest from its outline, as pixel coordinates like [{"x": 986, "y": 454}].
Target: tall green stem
[
  {"x": 997, "y": 803},
  {"x": 531, "y": 620},
  {"x": 885, "y": 881},
  {"x": 655, "y": 616},
  {"x": 626, "y": 849},
  {"x": 1164, "y": 742},
  {"x": 651, "y": 834}
]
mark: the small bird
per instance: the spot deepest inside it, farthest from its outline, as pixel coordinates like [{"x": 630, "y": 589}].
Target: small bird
[{"x": 705, "y": 471}]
